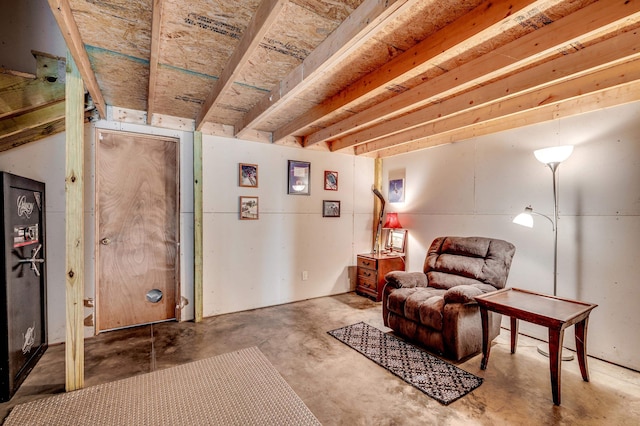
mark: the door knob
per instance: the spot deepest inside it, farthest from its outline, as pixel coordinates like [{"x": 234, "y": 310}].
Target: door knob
[{"x": 105, "y": 241}]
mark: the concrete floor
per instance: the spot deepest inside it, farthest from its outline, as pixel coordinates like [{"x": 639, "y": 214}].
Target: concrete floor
[{"x": 342, "y": 387}]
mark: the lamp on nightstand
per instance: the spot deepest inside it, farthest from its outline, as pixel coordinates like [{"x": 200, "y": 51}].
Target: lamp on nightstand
[
  {"x": 392, "y": 221},
  {"x": 391, "y": 224}
]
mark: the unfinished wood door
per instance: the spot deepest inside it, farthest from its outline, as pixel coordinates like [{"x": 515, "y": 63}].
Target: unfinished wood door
[{"x": 137, "y": 229}]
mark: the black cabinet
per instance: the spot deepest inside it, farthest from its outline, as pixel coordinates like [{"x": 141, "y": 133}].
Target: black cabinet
[{"x": 23, "y": 296}]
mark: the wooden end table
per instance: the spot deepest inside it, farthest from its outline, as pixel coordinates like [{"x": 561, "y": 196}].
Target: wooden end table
[{"x": 552, "y": 312}]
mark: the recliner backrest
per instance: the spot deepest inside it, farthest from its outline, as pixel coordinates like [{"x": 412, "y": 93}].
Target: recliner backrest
[{"x": 453, "y": 261}]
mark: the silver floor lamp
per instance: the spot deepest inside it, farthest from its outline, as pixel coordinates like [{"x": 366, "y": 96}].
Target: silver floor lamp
[{"x": 552, "y": 157}]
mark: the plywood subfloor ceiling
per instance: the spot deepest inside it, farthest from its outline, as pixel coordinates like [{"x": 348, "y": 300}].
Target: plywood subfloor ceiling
[{"x": 368, "y": 77}]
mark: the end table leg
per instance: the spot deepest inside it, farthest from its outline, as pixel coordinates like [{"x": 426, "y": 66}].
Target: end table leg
[
  {"x": 514, "y": 334},
  {"x": 486, "y": 345},
  {"x": 555, "y": 361},
  {"x": 581, "y": 347}
]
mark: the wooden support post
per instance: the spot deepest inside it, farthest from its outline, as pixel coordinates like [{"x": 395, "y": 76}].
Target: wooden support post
[
  {"x": 74, "y": 219},
  {"x": 377, "y": 184},
  {"x": 197, "y": 223}
]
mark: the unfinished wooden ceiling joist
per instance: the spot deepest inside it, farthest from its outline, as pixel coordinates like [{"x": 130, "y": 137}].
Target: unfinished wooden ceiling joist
[
  {"x": 369, "y": 77},
  {"x": 32, "y": 106}
]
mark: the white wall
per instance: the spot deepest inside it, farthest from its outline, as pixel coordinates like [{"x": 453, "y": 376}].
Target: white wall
[
  {"x": 44, "y": 160},
  {"x": 473, "y": 187},
  {"x": 256, "y": 263},
  {"x": 476, "y": 187},
  {"x": 247, "y": 264}
]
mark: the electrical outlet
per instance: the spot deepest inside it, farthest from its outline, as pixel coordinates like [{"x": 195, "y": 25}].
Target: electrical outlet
[{"x": 305, "y": 275}]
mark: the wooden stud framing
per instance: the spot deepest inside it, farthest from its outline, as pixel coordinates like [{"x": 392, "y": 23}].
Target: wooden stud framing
[
  {"x": 74, "y": 219},
  {"x": 580, "y": 86},
  {"x": 62, "y": 12},
  {"x": 610, "y": 97},
  {"x": 262, "y": 21},
  {"x": 32, "y": 133},
  {"x": 32, "y": 106},
  {"x": 560, "y": 70},
  {"x": 37, "y": 123},
  {"x": 484, "y": 18},
  {"x": 197, "y": 224},
  {"x": 362, "y": 25},
  {"x": 343, "y": 75},
  {"x": 503, "y": 60},
  {"x": 156, "y": 24}
]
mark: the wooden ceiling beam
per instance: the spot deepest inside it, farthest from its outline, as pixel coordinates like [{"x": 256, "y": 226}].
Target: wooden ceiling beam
[
  {"x": 267, "y": 13},
  {"x": 563, "y": 68},
  {"x": 32, "y": 133},
  {"x": 609, "y": 78},
  {"x": 590, "y": 102},
  {"x": 156, "y": 25},
  {"x": 69, "y": 29},
  {"x": 36, "y": 116},
  {"x": 464, "y": 33},
  {"x": 549, "y": 40},
  {"x": 359, "y": 27}
]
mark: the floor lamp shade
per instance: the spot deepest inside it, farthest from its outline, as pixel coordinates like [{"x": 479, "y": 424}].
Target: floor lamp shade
[
  {"x": 554, "y": 154},
  {"x": 525, "y": 218}
]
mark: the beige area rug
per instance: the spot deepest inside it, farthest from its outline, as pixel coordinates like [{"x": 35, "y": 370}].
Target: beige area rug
[{"x": 238, "y": 388}]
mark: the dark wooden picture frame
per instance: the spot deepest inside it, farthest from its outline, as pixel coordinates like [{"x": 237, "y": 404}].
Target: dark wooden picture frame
[
  {"x": 330, "y": 180},
  {"x": 248, "y": 175},
  {"x": 330, "y": 208},
  {"x": 299, "y": 181}
]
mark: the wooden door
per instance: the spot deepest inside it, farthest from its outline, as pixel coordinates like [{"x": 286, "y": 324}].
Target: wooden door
[{"x": 137, "y": 230}]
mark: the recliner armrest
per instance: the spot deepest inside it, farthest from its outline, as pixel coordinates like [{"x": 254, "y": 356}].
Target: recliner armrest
[
  {"x": 466, "y": 293},
  {"x": 400, "y": 279}
]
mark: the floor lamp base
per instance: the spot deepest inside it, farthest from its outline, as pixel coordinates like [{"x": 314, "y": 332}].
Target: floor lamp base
[{"x": 544, "y": 350}]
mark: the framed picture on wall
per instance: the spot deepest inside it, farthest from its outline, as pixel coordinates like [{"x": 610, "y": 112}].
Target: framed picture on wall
[
  {"x": 249, "y": 208},
  {"x": 330, "y": 180},
  {"x": 396, "y": 240},
  {"x": 330, "y": 208},
  {"x": 299, "y": 182},
  {"x": 248, "y": 175},
  {"x": 396, "y": 191}
]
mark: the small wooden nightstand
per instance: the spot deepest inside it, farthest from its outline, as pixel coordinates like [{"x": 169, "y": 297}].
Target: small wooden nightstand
[{"x": 371, "y": 271}]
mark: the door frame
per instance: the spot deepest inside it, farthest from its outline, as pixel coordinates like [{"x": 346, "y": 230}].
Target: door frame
[{"x": 178, "y": 284}]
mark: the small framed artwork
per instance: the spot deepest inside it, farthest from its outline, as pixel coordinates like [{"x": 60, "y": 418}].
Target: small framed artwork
[
  {"x": 330, "y": 208},
  {"x": 249, "y": 208},
  {"x": 330, "y": 180},
  {"x": 396, "y": 191},
  {"x": 248, "y": 175},
  {"x": 396, "y": 240},
  {"x": 299, "y": 182}
]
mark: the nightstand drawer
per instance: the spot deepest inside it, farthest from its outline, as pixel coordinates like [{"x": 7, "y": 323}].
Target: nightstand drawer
[
  {"x": 368, "y": 281},
  {"x": 367, "y": 262},
  {"x": 367, "y": 273}
]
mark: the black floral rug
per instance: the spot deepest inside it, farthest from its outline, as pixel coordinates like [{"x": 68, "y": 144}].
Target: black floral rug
[{"x": 440, "y": 380}]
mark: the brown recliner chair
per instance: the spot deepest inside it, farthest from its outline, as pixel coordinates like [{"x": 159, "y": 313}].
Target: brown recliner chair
[{"x": 436, "y": 308}]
